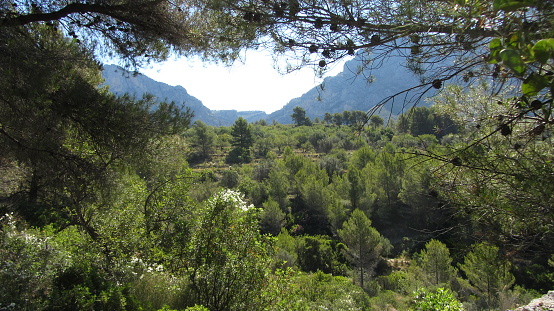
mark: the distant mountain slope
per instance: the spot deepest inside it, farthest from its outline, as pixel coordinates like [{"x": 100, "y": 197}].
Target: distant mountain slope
[
  {"x": 122, "y": 81},
  {"x": 351, "y": 91},
  {"x": 228, "y": 117}
]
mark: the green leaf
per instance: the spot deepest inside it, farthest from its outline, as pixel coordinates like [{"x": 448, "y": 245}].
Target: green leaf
[
  {"x": 511, "y": 5},
  {"x": 544, "y": 50},
  {"x": 513, "y": 41},
  {"x": 534, "y": 84},
  {"x": 512, "y": 59},
  {"x": 495, "y": 46}
]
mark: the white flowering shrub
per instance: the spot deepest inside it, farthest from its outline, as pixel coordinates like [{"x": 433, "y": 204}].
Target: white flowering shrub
[
  {"x": 228, "y": 260},
  {"x": 153, "y": 285},
  {"x": 28, "y": 265},
  {"x": 231, "y": 199}
]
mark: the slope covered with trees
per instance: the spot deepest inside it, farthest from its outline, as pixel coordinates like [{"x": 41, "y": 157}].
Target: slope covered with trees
[{"x": 109, "y": 204}]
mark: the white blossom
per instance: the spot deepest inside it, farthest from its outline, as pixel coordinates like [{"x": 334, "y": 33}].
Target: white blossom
[{"x": 232, "y": 197}]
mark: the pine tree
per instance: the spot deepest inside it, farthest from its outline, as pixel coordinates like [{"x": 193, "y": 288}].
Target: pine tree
[
  {"x": 242, "y": 141},
  {"x": 299, "y": 117},
  {"x": 365, "y": 245},
  {"x": 203, "y": 139},
  {"x": 436, "y": 263},
  {"x": 487, "y": 272}
]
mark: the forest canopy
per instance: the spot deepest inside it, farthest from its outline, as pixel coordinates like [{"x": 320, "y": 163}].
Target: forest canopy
[{"x": 506, "y": 42}]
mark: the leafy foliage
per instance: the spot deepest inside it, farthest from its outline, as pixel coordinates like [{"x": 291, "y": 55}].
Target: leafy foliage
[
  {"x": 64, "y": 130},
  {"x": 441, "y": 299},
  {"x": 227, "y": 258},
  {"x": 365, "y": 245},
  {"x": 119, "y": 221}
]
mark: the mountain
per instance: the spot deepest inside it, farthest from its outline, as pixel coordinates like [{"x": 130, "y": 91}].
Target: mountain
[
  {"x": 121, "y": 81},
  {"x": 228, "y": 117},
  {"x": 351, "y": 91}
]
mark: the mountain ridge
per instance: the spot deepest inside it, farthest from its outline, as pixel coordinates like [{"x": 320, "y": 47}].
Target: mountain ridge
[
  {"x": 121, "y": 81},
  {"x": 357, "y": 87}
]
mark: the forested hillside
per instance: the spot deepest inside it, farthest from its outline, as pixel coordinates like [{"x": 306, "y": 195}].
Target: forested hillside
[{"x": 115, "y": 202}]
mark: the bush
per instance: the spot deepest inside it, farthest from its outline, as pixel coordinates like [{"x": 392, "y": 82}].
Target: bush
[
  {"x": 229, "y": 179},
  {"x": 197, "y": 308},
  {"x": 238, "y": 155},
  {"x": 85, "y": 287},
  {"x": 440, "y": 299},
  {"x": 320, "y": 291},
  {"x": 48, "y": 270},
  {"x": 27, "y": 266}
]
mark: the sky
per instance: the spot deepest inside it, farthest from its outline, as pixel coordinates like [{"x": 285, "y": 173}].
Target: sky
[{"x": 253, "y": 84}]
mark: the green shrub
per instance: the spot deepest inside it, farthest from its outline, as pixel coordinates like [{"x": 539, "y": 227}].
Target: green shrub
[
  {"x": 85, "y": 287},
  {"x": 229, "y": 179},
  {"x": 440, "y": 299}
]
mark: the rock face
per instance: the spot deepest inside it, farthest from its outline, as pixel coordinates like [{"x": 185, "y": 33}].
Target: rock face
[
  {"x": 544, "y": 303},
  {"x": 361, "y": 89}
]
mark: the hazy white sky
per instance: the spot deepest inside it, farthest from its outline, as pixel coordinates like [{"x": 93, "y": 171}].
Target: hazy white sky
[{"x": 252, "y": 85}]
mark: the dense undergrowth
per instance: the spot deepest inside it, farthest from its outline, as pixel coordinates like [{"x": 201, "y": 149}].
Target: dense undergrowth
[
  {"x": 118, "y": 203},
  {"x": 322, "y": 216}
]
